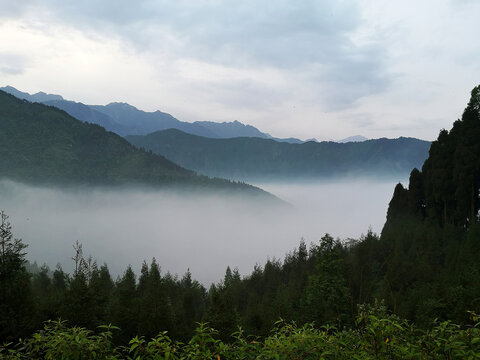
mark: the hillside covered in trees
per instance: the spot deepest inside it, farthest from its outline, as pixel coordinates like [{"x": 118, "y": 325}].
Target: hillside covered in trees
[
  {"x": 418, "y": 281},
  {"x": 432, "y": 235},
  {"x": 263, "y": 159},
  {"x": 44, "y": 145}
]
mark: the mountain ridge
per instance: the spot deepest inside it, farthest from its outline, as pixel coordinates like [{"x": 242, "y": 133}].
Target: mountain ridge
[
  {"x": 254, "y": 158},
  {"x": 125, "y": 119},
  {"x": 140, "y": 122},
  {"x": 354, "y": 138}
]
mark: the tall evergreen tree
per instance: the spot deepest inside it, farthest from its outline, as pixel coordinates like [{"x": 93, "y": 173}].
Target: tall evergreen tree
[
  {"x": 16, "y": 303},
  {"x": 327, "y": 297},
  {"x": 125, "y": 306},
  {"x": 155, "y": 312},
  {"x": 101, "y": 286}
]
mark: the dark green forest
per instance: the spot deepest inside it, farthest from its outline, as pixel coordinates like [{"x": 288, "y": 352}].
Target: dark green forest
[
  {"x": 265, "y": 159},
  {"x": 411, "y": 292}
]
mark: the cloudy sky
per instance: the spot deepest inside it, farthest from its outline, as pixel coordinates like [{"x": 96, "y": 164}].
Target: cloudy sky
[{"x": 326, "y": 69}]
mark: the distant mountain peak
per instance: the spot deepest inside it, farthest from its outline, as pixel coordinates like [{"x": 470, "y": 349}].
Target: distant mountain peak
[
  {"x": 123, "y": 105},
  {"x": 9, "y": 88},
  {"x": 37, "y": 97},
  {"x": 354, "y": 138}
]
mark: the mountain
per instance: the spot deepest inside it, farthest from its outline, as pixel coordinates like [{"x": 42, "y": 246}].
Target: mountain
[
  {"x": 290, "y": 140},
  {"x": 138, "y": 122},
  {"x": 76, "y": 109},
  {"x": 125, "y": 119},
  {"x": 44, "y": 145},
  {"x": 86, "y": 113},
  {"x": 263, "y": 159},
  {"x": 231, "y": 129},
  {"x": 226, "y": 130},
  {"x": 355, "y": 138},
  {"x": 38, "y": 97}
]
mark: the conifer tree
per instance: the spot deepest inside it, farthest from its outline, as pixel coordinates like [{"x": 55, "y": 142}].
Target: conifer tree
[
  {"x": 101, "y": 286},
  {"x": 155, "y": 312},
  {"x": 222, "y": 314},
  {"x": 125, "y": 305},
  {"x": 327, "y": 296},
  {"x": 16, "y": 303}
]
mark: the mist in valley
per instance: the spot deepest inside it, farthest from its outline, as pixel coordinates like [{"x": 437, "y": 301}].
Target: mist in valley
[{"x": 201, "y": 232}]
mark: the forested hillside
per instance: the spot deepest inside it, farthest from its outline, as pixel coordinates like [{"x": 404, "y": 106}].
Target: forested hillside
[
  {"x": 432, "y": 234},
  {"x": 263, "y": 159},
  {"x": 44, "y": 145}
]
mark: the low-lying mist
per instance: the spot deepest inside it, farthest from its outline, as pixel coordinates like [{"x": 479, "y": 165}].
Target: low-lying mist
[{"x": 205, "y": 233}]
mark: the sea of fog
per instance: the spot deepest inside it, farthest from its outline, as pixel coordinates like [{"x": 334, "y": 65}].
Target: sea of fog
[{"x": 205, "y": 233}]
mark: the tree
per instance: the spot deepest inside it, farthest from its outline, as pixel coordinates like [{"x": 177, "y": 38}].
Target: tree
[
  {"x": 125, "y": 314},
  {"x": 43, "y": 292},
  {"x": 188, "y": 299},
  {"x": 155, "y": 312},
  {"x": 16, "y": 302},
  {"x": 221, "y": 313},
  {"x": 327, "y": 296},
  {"x": 101, "y": 286},
  {"x": 79, "y": 306}
]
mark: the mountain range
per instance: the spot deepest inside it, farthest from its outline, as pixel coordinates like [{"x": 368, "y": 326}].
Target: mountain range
[
  {"x": 247, "y": 158},
  {"x": 237, "y": 151},
  {"x": 125, "y": 119}
]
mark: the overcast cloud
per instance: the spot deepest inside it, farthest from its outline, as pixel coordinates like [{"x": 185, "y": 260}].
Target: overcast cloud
[{"x": 291, "y": 68}]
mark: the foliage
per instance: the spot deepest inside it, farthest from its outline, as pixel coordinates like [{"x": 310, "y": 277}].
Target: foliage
[
  {"x": 15, "y": 286},
  {"x": 59, "y": 342},
  {"x": 377, "y": 335}
]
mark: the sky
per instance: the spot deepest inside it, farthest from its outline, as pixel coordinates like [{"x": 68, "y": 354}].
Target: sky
[{"x": 324, "y": 69}]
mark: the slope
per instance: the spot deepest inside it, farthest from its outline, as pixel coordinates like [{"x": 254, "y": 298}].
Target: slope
[
  {"x": 86, "y": 113},
  {"x": 446, "y": 191},
  {"x": 44, "y": 145},
  {"x": 263, "y": 159},
  {"x": 430, "y": 244}
]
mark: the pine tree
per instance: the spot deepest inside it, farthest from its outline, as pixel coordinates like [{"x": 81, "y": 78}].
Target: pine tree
[
  {"x": 155, "y": 312},
  {"x": 327, "y": 296},
  {"x": 222, "y": 314},
  {"x": 124, "y": 306},
  {"x": 43, "y": 292},
  {"x": 16, "y": 302},
  {"x": 101, "y": 286}
]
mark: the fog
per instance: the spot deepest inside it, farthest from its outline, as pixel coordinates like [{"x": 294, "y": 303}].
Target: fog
[{"x": 205, "y": 233}]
